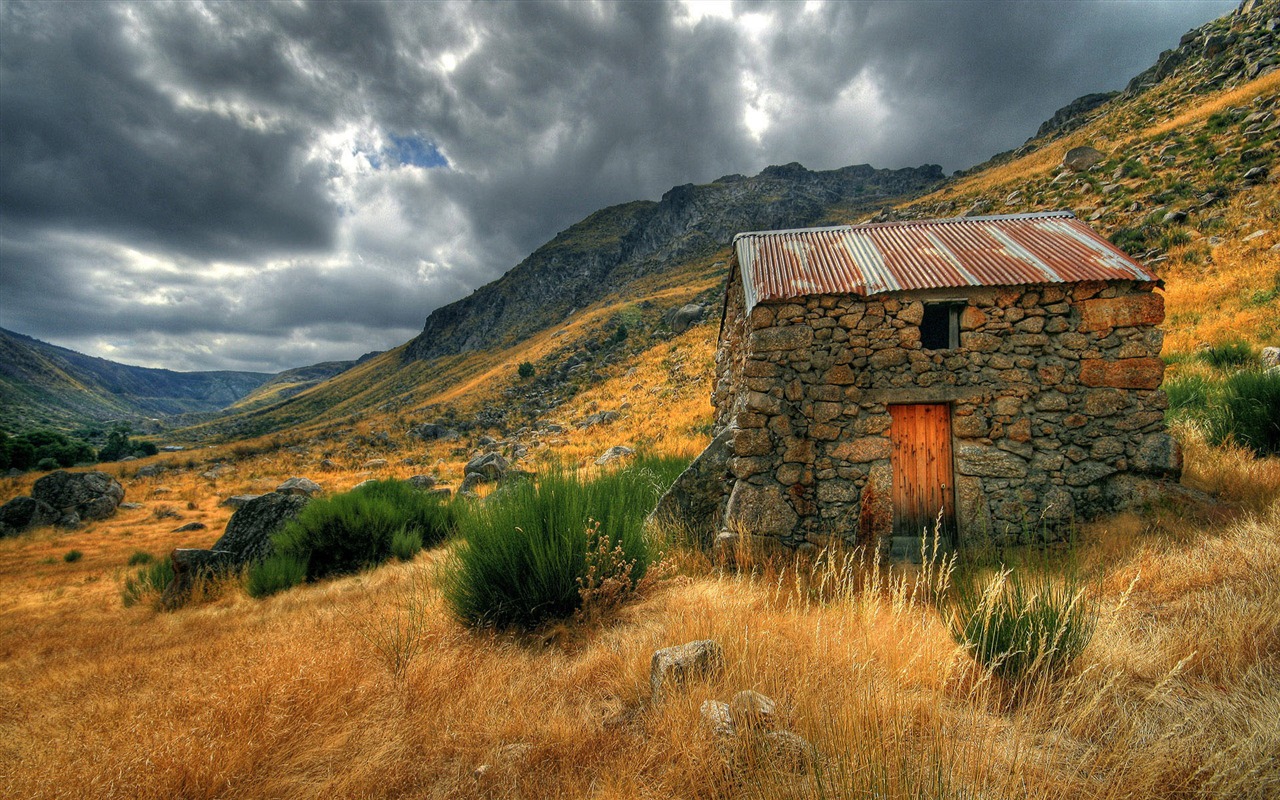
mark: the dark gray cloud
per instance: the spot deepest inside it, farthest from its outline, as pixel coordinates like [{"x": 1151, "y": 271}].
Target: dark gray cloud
[{"x": 257, "y": 186}]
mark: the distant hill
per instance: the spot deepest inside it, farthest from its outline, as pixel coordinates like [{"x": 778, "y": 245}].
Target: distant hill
[{"x": 43, "y": 385}]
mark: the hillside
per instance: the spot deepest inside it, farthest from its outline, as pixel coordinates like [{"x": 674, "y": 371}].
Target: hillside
[
  {"x": 616, "y": 246},
  {"x": 45, "y": 385},
  {"x": 628, "y": 264},
  {"x": 1186, "y": 180}
]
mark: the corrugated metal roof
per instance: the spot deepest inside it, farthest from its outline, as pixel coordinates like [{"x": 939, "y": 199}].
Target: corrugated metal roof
[{"x": 1052, "y": 247}]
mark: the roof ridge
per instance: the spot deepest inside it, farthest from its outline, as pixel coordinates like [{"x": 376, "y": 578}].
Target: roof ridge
[{"x": 1060, "y": 214}]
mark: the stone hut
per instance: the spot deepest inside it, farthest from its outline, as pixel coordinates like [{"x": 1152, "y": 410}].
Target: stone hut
[{"x": 997, "y": 375}]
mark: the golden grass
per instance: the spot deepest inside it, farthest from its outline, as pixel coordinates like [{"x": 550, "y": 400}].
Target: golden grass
[{"x": 1177, "y": 696}]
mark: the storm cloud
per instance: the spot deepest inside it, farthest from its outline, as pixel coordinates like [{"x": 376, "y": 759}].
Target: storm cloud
[{"x": 260, "y": 186}]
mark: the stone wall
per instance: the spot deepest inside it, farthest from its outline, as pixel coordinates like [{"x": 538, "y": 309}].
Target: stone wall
[{"x": 1053, "y": 395}]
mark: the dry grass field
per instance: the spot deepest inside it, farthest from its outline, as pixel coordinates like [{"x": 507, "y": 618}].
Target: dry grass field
[{"x": 1177, "y": 695}]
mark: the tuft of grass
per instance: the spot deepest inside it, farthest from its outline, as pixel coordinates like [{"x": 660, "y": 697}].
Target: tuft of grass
[
  {"x": 275, "y": 574},
  {"x": 140, "y": 558},
  {"x": 524, "y": 559},
  {"x": 1239, "y": 407},
  {"x": 1227, "y": 354},
  {"x": 72, "y": 556},
  {"x": 147, "y": 583},
  {"x": 348, "y": 532},
  {"x": 1022, "y": 629},
  {"x": 406, "y": 543}
]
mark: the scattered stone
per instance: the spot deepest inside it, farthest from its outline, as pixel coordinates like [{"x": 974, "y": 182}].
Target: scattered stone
[
  {"x": 423, "y": 481},
  {"x": 190, "y": 526},
  {"x": 364, "y": 483},
  {"x": 1080, "y": 159},
  {"x": 328, "y": 465},
  {"x": 302, "y": 486},
  {"x": 790, "y": 751},
  {"x": 1255, "y": 235},
  {"x": 239, "y": 500},
  {"x": 1256, "y": 175},
  {"x": 150, "y": 470},
  {"x": 433, "y": 431},
  {"x": 753, "y": 711},
  {"x": 1270, "y": 356},
  {"x": 1176, "y": 217},
  {"x": 217, "y": 472},
  {"x": 598, "y": 418},
  {"x": 130, "y": 506},
  {"x": 373, "y": 463},
  {"x": 488, "y": 467},
  {"x": 614, "y": 454},
  {"x": 718, "y": 718},
  {"x": 674, "y": 665}
]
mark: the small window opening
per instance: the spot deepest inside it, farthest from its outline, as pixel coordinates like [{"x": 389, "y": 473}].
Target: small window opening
[{"x": 940, "y": 327}]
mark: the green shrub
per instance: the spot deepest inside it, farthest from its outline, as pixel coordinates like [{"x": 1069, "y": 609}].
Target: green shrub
[
  {"x": 525, "y": 370},
  {"x": 72, "y": 556},
  {"x": 405, "y": 544},
  {"x": 1240, "y": 407},
  {"x": 1188, "y": 393},
  {"x": 140, "y": 557},
  {"x": 1249, "y": 411},
  {"x": 524, "y": 559},
  {"x": 1022, "y": 630},
  {"x": 1133, "y": 168},
  {"x": 275, "y": 574},
  {"x": 150, "y": 580},
  {"x": 1227, "y": 354},
  {"x": 348, "y": 532}
]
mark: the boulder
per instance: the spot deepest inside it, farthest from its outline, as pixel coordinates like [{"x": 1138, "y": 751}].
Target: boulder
[
  {"x": 1270, "y": 356},
  {"x": 753, "y": 711},
  {"x": 693, "y": 503},
  {"x": 190, "y": 565},
  {"x": 423, "y": 482},
  {"x": 718, "y": 718},
  {"x": 23, "y": 513},
  {"x": 190, "y": 526},
  {"x": 1080, "y": 159},
  {"x": 673, "y": 665},
  {"x": 614, "y": 454},
  {"x": 86, "y": 495},
  {"x": 217, "y": 472},
  {"x": 680, "y": 319},
  {"x": 150, "y": 470},
  {"x": 239, "y": 500},
  {"x": 248, "y": 534},
  {"x": 374, "y": 463},
  {"x": 301, "y": 486},
  {"x": 488, "y": 466}
]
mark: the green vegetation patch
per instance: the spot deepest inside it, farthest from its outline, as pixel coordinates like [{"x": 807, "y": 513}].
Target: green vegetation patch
[
  {"x": 1239, "y": 406},
  {"x": 531, "y": 549},
  {"x": 1022, "y": 628},
  {"x": 351, "y": 531}
]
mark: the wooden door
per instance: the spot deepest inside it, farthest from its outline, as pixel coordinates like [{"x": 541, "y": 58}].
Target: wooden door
[{"x": 923, "y": 486}]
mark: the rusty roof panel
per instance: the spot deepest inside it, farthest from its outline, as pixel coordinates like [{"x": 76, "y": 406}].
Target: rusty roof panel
[{"x": 1052, "y": 247}]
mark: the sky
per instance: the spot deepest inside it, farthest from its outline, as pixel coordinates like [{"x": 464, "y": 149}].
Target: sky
[{"x": 258, "y": 186}]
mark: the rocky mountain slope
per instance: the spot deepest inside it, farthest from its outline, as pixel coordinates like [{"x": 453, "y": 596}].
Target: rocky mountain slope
[
  {"x": 617, "y": 245},
  {"x": 45, "y": 385}
]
